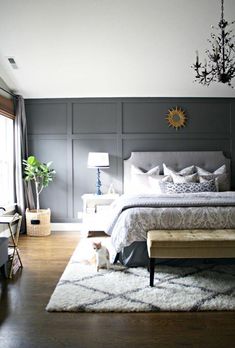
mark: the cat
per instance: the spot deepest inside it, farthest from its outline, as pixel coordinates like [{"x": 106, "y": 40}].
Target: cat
[{"x": 102, "y": 256}]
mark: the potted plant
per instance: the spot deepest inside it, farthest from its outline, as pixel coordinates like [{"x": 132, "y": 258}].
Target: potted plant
[{"x": 38, "y": 220}]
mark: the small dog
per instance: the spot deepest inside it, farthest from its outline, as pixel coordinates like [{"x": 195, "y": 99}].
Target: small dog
[{"x": 102, "y": 256}]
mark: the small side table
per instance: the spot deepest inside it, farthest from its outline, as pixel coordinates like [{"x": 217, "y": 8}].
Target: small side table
[
  {"x": 13, "y": 252},
  {"x": 95, "y": 210}
]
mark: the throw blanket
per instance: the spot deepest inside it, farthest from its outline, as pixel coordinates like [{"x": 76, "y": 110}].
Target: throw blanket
[{"x": 132, "y": 216}]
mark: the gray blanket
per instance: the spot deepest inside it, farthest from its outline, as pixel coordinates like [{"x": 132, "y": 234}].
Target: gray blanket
[{"x": 132, "y": 216}]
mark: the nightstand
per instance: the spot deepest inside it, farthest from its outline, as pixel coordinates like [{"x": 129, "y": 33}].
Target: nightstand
[{"x": 95, "y": 212}]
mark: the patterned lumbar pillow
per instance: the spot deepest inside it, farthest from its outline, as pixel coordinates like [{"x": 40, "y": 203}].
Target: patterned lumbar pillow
[
  {"x": 191, "y": 187},
  {"x": 220, "y": 175},
  {"x": 185, "y": 171}
]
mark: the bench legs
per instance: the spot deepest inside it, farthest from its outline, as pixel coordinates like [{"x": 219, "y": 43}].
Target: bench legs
[
  {"x": 116, "y": 258},
  {"x": 151, "y": 270},
  {"x": 3, "y": 270}
]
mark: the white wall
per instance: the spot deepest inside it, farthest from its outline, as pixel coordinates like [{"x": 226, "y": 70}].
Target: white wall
[
  {"x": 4, "y": 85},
  {"x": 108, "y": 48}
]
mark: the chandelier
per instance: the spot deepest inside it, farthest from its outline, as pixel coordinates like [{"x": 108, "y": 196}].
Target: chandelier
[{"x": 220, "y": 66}]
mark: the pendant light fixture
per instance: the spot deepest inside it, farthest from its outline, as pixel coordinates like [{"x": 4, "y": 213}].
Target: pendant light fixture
[{"x": 220, "y": 63}]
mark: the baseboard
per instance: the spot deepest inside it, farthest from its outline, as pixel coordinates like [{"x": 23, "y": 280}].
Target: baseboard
[{"x": 66, "y": 226}]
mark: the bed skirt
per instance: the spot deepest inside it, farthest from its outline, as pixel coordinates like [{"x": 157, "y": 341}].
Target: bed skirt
[{"x": 136, "y": 255}]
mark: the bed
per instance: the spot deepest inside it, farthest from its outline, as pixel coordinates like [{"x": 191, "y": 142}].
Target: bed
[{"x": 137, "y": 212}]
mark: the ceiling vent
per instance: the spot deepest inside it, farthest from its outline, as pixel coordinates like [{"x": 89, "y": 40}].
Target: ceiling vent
[{"x": 12, "y": 61}]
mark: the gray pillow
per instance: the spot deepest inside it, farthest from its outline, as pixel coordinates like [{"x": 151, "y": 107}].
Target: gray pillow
[{"x": 191, "y": 187}]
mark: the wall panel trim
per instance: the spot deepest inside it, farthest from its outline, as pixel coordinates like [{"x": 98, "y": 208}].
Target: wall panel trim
[{"x": 124, "y": 125}]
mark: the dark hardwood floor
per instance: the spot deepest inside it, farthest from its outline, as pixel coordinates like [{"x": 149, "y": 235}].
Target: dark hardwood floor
[{"x": 25, "y": 323}]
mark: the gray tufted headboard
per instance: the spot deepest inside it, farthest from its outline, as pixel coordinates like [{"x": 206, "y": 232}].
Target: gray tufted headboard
[{"x": 209, "y": 160}]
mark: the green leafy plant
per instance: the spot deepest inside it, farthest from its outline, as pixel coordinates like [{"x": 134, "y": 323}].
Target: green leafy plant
[{"x": 39, "y": 173}]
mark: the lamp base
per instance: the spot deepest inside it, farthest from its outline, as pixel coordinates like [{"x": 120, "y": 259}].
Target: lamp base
[{"x": 98, "y": 183}]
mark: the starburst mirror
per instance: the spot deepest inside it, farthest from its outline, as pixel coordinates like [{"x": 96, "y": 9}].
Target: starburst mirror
[{"x": 176, "y": 118}]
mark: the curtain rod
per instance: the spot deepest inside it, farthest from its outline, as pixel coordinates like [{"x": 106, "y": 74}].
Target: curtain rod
[{"x": 12, "y": 94}]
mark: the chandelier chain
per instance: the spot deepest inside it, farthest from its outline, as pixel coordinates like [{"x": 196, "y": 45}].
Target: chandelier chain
[{"x": 222, "y": 10}]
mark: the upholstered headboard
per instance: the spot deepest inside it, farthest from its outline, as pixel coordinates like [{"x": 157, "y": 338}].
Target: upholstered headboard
[{"x": 209, "y": 160}]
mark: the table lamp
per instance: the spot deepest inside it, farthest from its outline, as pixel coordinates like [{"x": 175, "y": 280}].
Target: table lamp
[{"x": 98, "y": 160}]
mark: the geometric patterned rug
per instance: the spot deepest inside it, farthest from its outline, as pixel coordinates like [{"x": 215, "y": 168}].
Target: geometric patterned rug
[{"x": 191, "y": 288}]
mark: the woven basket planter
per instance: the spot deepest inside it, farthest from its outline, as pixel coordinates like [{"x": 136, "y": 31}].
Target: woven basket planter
[{"x": 38, "y": 222}]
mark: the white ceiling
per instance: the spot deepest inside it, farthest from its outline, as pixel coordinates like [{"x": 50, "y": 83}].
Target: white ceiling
[{"x": 107, "y": 48}]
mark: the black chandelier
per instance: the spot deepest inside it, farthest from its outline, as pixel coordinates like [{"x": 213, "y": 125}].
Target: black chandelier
[{"x": 220, "y": 66}]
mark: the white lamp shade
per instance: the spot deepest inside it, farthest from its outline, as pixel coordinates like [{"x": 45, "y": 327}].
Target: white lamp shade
[{"x": 98, "y": 160}]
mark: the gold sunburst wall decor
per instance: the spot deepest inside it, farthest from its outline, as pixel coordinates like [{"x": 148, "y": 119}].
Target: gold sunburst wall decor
[{"x": 176, "y": 118}]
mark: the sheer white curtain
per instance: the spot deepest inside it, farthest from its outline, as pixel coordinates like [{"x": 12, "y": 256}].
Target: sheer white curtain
[
  {"x": 6, "y": 161},
  {"x": 23, "y": 190}
]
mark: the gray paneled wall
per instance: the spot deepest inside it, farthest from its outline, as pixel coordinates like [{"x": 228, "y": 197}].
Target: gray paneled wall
[{"x": 65, "y": 130}]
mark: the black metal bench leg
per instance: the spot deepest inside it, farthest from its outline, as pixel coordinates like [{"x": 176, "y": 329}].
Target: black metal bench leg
[
  {"x": 116, "y": 258},
  {"x": 151, "y": 269},
  {"x": 3, "y": 270}
]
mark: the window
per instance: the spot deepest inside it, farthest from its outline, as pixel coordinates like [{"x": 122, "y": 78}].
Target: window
[{"x": 6, "y": 161}]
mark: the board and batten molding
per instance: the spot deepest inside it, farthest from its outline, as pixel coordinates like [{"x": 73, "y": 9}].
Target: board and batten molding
[{"x": 65, "y": 130}]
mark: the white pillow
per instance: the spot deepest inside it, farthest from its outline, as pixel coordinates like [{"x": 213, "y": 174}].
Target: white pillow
[
  {"x": 137, "y": 170},
  {"x": 185, "y": 171},
  {"x": 140, "y": 179},
  {"x": 220, "y": 170},
  {"x": 167, "y": 178},
  {"x": 155, "y": 182},
  {"x": 220, "y": 175},
  {"x": 182, "y": 179}
]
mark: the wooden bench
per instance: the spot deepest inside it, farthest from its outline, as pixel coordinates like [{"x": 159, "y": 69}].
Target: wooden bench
[{"x": 189, "y": 244}]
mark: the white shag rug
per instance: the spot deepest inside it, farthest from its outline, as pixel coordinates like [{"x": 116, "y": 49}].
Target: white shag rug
[{"x": 192, "y": 288}]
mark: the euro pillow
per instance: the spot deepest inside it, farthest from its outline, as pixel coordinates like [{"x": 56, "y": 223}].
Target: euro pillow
[
  {"x": 185, "y": 171},
  {"x": 192, "y": 187},
  {"x": 137, "y": 170},
  {"x": 220, "y": 175},
  {"x": 156, "y": 181},
  {"x": 140, "y": 179},
  {"x": 220, "y": 170}
]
